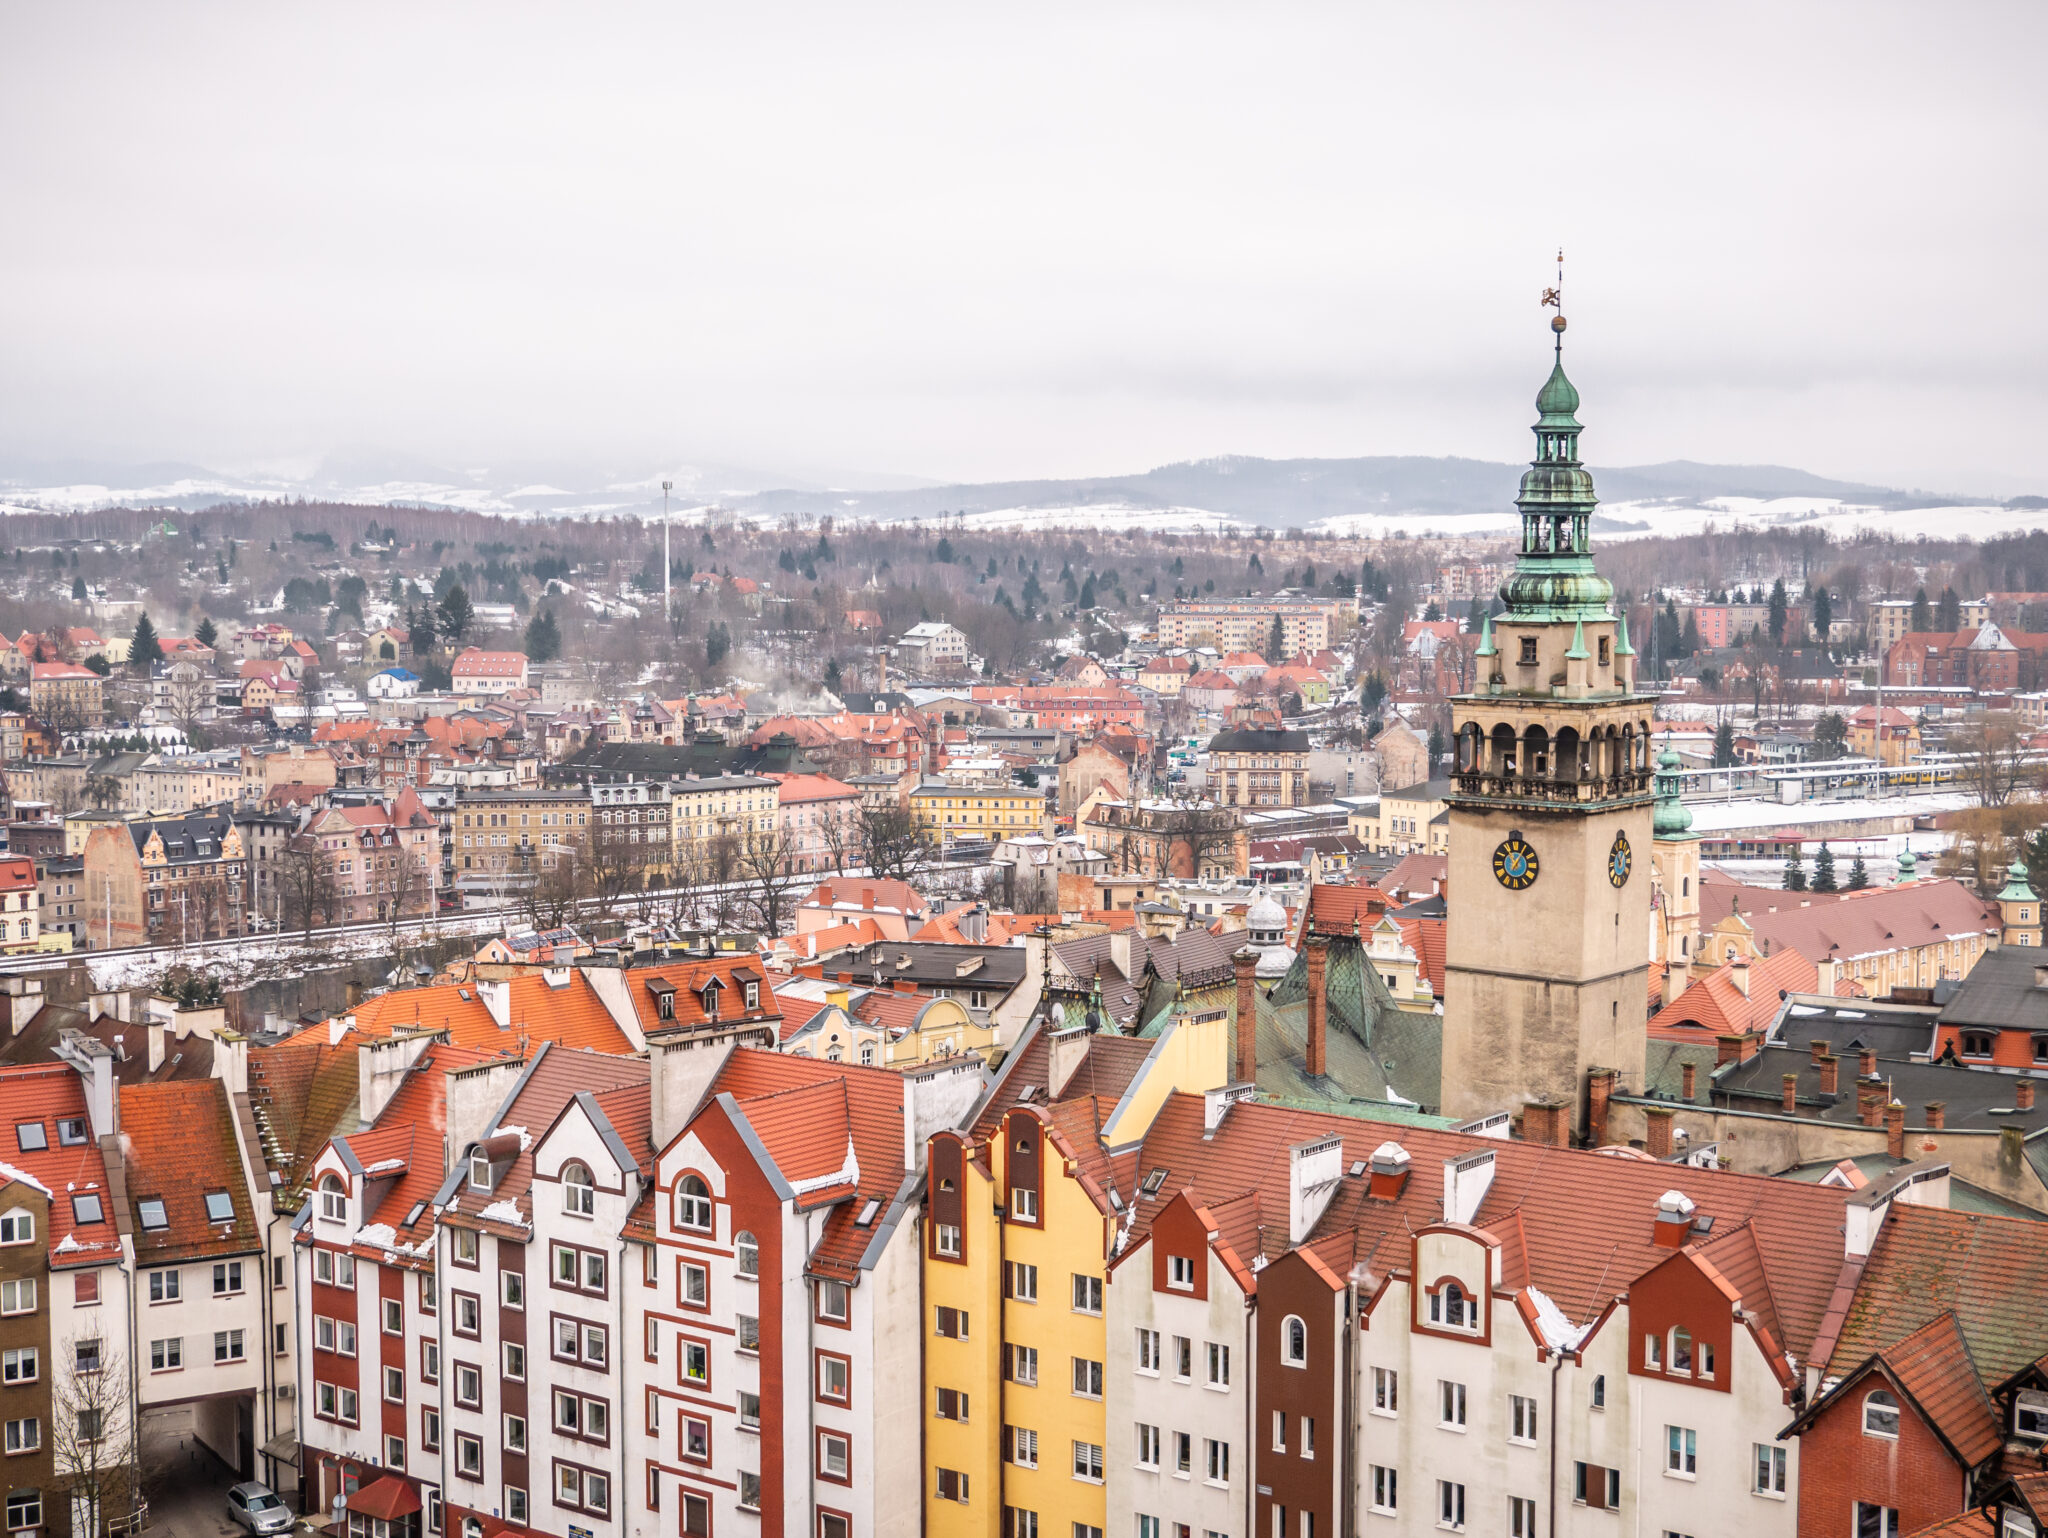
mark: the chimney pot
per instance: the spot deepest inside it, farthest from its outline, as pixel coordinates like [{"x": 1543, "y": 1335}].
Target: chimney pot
[
  {"x": 1830, "y": 1074},
  {"x": 1937, "y": 1115},
  {"x": 1727, "y": 1049},
  {"x": 2023, "y": 1094},
  {"x": 1689, "y": 1078},
  {"x": 1866, "y": 1062},
  {"x": 1791, "y": 1093},
  {"x": 1819, "y": 1048},
  {"x": 1599, "y": 1090},
  {"x": 1895, "y": 1130}
]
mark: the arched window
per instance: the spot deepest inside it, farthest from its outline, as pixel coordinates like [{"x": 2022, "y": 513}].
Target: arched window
[
  {"x": 834, "y": 1053},
  {"x": 333, "y": 1199},
  {"x": 1448, "y": 1305},
  {"x": 579, "y": 1194},
  {"x": 693, "y": 1204},
  {"x": 1294, "y": 1342},
  {"x": 479, "y": 1170},
  {"x": 747, "y": 1252},
  {"x": 1880, "y": 1415},
  {"x": 1681, "y": 1350},
  {"x": 472, "y": 1528}
]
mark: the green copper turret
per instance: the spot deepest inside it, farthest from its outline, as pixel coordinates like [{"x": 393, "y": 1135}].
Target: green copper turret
[
  {"x": 1554, "y": 579},
  {"x": 1671, "y": 819}
]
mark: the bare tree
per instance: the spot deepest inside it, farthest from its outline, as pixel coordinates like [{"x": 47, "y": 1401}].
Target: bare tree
[
  {"x": 892, "y": 843},
  {"x": 1993, "y": 753},
  {"x": 769, "y": 872},
  {"x": 306, "y": 878},
  {"x": 93, "y": 1445},
  {"x": 188, "y": 696},
  {"x": 559, "y": 885}
]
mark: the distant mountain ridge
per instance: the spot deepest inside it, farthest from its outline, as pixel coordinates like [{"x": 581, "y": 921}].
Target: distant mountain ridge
[{"x": 1277, "y": 493}]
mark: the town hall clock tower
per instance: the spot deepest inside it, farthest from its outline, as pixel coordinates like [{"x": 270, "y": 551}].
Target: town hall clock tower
[{"x": 1546, "y": 972}]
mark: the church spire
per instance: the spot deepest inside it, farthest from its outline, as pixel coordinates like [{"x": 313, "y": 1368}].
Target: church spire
[{"x": 1554, "y": 579}]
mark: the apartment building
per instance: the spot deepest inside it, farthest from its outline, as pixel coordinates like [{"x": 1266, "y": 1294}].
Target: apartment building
[
  {"x": 991, "y": 812},
  {"x": 818, "y": 819},
  {"x": 1260, "y": 766},
  {"x": 478, "y": 674},
  {"x": 1306, "y": 624},
  {"x": 726, "y": 806},
  {"x": 21, "y": 905},
  {"x": 630, "y": 826},
  {"x": 65, "y": 1346}
]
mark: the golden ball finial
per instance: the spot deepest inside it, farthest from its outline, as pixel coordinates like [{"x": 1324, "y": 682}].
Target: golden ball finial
[{"x": 1557, "y": 323}]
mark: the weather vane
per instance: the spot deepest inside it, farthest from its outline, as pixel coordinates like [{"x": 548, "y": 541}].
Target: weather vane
[{"x": 1553, "y": 298}]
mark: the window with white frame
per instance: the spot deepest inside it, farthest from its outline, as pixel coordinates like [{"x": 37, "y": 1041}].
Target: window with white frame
[
  {"x": 1180, "y": 1272},
  {"x": 1681, "y": 1451},
  {"x": 1088, "y": 1462},
  {"x": 579, "y": 1192},
  {"x": 1769, "y": 1469},
  {"x": 1450, "y": 1404},
  {"x": 1386, "y": 1489},
  {"x": 1219, "y": 1365},
  {"x": 1148, "y": 1446},
  {"x": 1293, "y": 1341},
  {"x": 333, "y": 1199},
  {"x": 1023, "y": 1281},
  {"x": 1087, "y": 1378},
  {"x": 1386, "y": 1391},
  {"x": 1880, "y": 1415},
  {"x": 1521, "y": 1418},
  {"x": 1216, "y": 1461},
  {"x": 1087, "y": 1294},
  {"x": 1450, "y": 1504},
  {"x": 1148, "y": 1351}
]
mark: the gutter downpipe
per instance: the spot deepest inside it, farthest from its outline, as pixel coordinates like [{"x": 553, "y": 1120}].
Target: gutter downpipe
[
  {"x": 1556, "y": 1364},
  {"x": 1347, "y": 1455},
  {"x": 1251, "y": 1390},
  {"x": 1002, "y": 1344},
  {"x": 618, "y": 1270}
]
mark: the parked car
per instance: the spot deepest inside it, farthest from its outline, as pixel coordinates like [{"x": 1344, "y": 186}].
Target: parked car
[{"x": 259, "y": 1508}]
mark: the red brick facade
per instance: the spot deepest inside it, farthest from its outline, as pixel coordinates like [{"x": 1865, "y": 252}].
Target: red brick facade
[{"x": 1915, "y": 1474}]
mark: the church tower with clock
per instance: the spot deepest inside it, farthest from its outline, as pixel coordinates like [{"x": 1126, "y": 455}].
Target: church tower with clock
[{"x": 1546, "y": 973}]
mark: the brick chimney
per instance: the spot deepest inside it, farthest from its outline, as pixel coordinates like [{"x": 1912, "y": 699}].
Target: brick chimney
[
  {"x": 1727, "y": 1049},
  {"x": 1870, "y": 1104},
  {"x": 1895, "y": 1130},
  {"x": 1318, "y": 1044},
  {"x": 1546, "y": 1122},
  {"x": 1599, "y": 1090},
  {"x": 1819, "y": 1048},
  {"x": 1937, "y": 1115},
  {"x": 1830, "y": 1074},
  {"x": 1866, "y": 1063},
  {"x": 2023, "y": 1094},
  {"x": 1247, "y": 1014},
  {"x": 1791, "y": 1100},
  {"x": 1688, "y": 1080},
  {"x": 1657, "y": 1132}
]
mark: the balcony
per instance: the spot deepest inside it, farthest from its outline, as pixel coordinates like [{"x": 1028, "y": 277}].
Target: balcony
[{"x": 1534, "y": 791}]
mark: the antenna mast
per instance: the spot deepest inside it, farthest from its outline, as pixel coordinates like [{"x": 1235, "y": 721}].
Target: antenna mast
[{"x": 667, "y": 607}]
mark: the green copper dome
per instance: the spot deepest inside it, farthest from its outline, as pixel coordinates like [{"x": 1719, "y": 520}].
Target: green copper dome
[
  {"x": 1558, "y": 399},
  {"x": 1554, "y": 580},
  {"x": 2017, "y": 888},
  {"x": 1670, "y": 819}
]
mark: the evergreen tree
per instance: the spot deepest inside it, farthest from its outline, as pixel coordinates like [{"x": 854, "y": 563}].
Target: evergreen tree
[
  {"x": 1431, "y": 613},
  {"x": 832, "y": 675},
  {"x": 1255, "y": 567},
  {"x": 1436, "y": 746},
  {"x": 1823, "y": 615},
  {"x": 1795, "y": 875},
  {"x": 785, "y": 562},
  {"x": 1780, "y": 607},
  {"x": 1308, "y": 575},
  {"x": 419, "y": 628},
  {"x": 1830, "y": 738},
  {"x": 1824, "y": 870},
  {"x": 144, "y": 650},
  {"x": 543, "y": 637},
  {"x": 1948, "y": 612},
  {"x": 457, "y": 613},
  {"x": 1859, "y": 877},
  {"x": 1276, "y": 643},
  {"x": 1922, "y": 616},
  {"x": 1724, "y": 745},
  {"x": 943, "y": 551},
  {"x": 1088, "y": 592},
  {"x": 717, "y": 644},
  {"x": 1689, "y": 638},
  {"x": 205, "y": 634},
  {"x": 78, "y": 590}
]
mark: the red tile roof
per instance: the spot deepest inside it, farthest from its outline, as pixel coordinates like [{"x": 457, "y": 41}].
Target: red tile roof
[
  {"x": 1716, "y": 1005},
  {"x": 1427, "y": 938},
  {"x": 1840, "y": 925},
  {"x": 181, "y": 1145},
  {"x": 867, "y": 894},
  {"x": 44, "y": 1094},
  {"x": 688, "y": 979}
]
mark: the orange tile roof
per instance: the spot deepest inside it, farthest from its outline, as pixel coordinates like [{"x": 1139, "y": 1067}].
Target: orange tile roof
[
  {"x": 867, "y": 894},
  {"x": 181, "y": 1145},
  {"x": 571, "y": 1015},
  {"x": 1715, "y": 1005},
  {"x": 300, "y": 1089},
  {"x": 688, "y": 980},
  {"x": 1427, "y": 938},
  {"x": 1344, "y": 910},
  {"x": 45, "y": 1093},
  {"x": 795, "y": 789},
  {"x": 1933, "y": 1366}
]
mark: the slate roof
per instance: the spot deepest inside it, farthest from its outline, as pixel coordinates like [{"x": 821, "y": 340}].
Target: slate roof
[
  {"x": 1259, "y": 740},
  {"x": 1196, "y": 959},
  {"x": 1975, "y": 1100},
  {"x": 2000, "y": 992},
  {"x": 1892, "y": 1031}
]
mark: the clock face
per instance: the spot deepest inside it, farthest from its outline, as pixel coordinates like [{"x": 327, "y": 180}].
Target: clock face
[
  {"x": 1619, "y": 860},
  {"x": 1514, "y": 863}
]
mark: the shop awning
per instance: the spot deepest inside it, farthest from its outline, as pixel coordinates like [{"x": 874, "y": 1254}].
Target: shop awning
[{"x": 386, "y": 1499}]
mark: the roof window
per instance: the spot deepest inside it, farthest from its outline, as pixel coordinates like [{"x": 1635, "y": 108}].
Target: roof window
[
  {"x": 30, "y": 1137},
  {"x": 220, "y": 1207},
  {"x": 151, "y": 1210}
]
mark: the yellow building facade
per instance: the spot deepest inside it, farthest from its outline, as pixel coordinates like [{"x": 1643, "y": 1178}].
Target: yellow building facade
[{"x": 977, "y": 811}]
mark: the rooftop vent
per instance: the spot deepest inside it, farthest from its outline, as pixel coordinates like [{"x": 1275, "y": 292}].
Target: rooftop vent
[{"x": 1674, "y": 1219}]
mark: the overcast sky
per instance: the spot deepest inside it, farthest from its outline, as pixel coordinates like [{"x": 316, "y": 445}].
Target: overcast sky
[{"x": 991, "y": 241}]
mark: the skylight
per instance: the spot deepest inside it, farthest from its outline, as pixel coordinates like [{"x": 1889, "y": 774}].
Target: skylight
[
  {"x": 867, "y": 1214},
  {"x": 220, "y": 1207},
  {"x": 1154, "y": 1181},
  {"x": 152, "y": 1211},
  {"x": 30, "y": 1137}
]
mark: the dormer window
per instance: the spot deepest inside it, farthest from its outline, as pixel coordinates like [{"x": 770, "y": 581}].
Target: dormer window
[
  {"x": 753, "y": 996},
  {"x": 333, "y": 1199},
  {"x": 1449, "y": 1306},
  {"x": 479, "y": 1170},
  {"x": 1681, "y": 1350},
  {"x": 1978, "y": 1043},
  {"x": 1881, "y": 1415},
  {"x": 579, "y": 1194}
]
